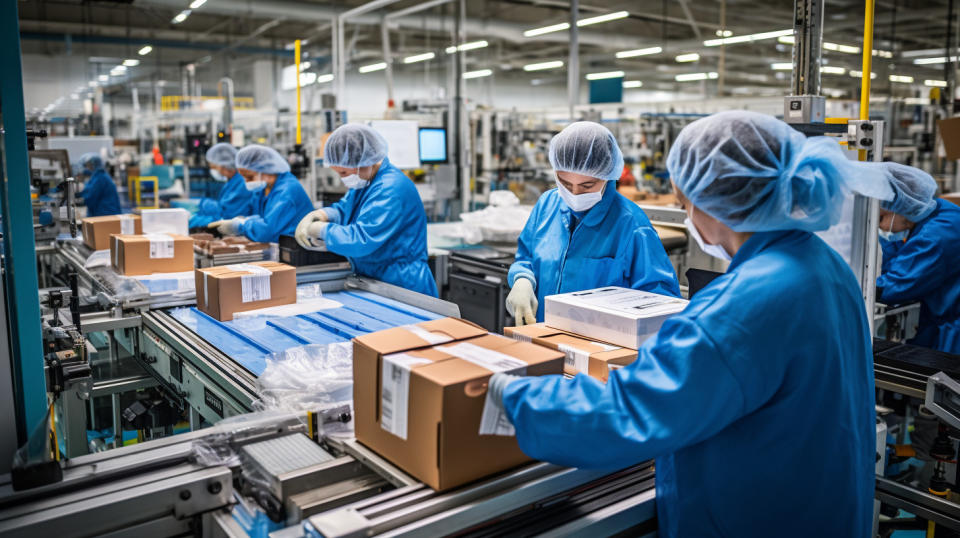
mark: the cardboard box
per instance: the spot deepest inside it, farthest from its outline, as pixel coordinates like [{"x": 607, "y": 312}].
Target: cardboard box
[
  {"x": 621, "y": 316},
  {"x": 419, "y": 394},
  {"x": 149, "y": 254},
  {"x": 949, "y": 130},
  {"x": 227, "y": 289},
  {"x": 582, "y": 353},
  {"x": 97, "y": 230},
  {"x": 953, "y": 197}
]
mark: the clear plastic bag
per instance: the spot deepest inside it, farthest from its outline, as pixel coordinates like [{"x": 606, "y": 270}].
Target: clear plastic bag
[{"x": 308, "y": 378}]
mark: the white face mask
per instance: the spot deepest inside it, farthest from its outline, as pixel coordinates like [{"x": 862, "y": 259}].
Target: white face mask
[
  {"x": 580, "y": 202},
  {"x": 217, "y": 175},
  {"x": 256, "y": 185},
  {"x": 892, "y": 236},
  {"x": 717, "y": 251},
  {"x": 354, "y": 181}
]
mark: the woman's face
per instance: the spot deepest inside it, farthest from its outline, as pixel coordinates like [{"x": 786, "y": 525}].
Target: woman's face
[
  {"x": 365, "y": 172},
  {"x": 706, "y": 225},
  {"x": 891, "y": 222},
  {"x": 250, "y": 175},
  {"x": 579, "y": 183}
]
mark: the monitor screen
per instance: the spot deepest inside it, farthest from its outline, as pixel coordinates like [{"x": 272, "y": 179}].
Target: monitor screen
[{"x": 433, "y": 145}]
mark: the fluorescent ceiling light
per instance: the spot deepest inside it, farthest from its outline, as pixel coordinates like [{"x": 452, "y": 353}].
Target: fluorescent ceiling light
[
  {"x": 882, "y": 53},
  {"x": 692, "y": 57},
  {"x": 632, "y": 84},
  {"x": 307, "y": 79},
  {"x": 103, "y": 78},
  {"x": 547, "y": 29},
  {"x": 145, "y": 50},
  {"x": 830, "y": 70},
  {"x": 901, "y": 78},
  {"x": 197, "y": 3},
  {"x": 182, "y": 16},
  {"x": 324, "y": 78},
  {"x": 695, "y": 76},
  {"x": 936, "y": 83},
  {"x": 603, "y": 18},
  {"x": 930, "y": 61},
  {"x": 746, "y": 38},
  {"x": 373, "y": 67},
  {"x": 639, "y": 52},
  {"x": 788, "y": 39},
  {"x": 467, "y": 46},
  {"x": 859, "y": 74},
  {"x": 782, "y": 66},
  {"x": 543, "y": 65},
  {"x": 131, "y": 62},
  {"x": 606, "y": 74},
  {"x": 419, "y": 58},
  {"x": 478, "y": 74},
  {"x": 724, "y": 33},
  {"x": 120, "y": 68},
  {"x": 826, "y": 45},
  {"x": 916, "y": 101}
]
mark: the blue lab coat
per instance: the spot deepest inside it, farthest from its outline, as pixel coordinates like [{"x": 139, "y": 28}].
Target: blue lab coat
[
  {"x": 757, "y": 401},
  {"x": 926, "y": 268},
  {"x": 612, "y": 244},
  {"x": 100, "y": 195},
  {"x": 382, "y": 229},
  {"x": 234, "y": 200},
  {"x": 278, "y": 212}
]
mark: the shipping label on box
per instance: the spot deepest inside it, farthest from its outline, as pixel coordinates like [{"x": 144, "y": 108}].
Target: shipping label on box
[
  {"x": 135, "y": 255},
  {"x": 225, "y": 290},
  {"x": 97, "y": 230}
]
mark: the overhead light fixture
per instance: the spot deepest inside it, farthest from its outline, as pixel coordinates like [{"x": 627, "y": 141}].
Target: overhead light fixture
[
  {"x": 639, "y": 52},
  {"x": 547, "y": 29},
  {"x": 197, "y": 3},
  {"x": 603, "y": 18},
  {"x": 380, "y": 66},
  {"x": 419, "y": 58},
  {"x": 146, "y": 49},
  {"x": 478, "y": 74},
  {"x": 543, "y": 65},
  {"x": 688, "y": 77},
  {"x": 606, "y": 74},
  {"x": 307, "y": 79},
  {"x": 691, "y": 57},
  {"x": 632, "y": 84},
  {"x": 782, "y": 66},
  {"x": 182, "y": 16},
  {"x": 746, "y": 38},
  {"x": 831, "y": 70},
  {"x": 119, "y": 69},
  {"x": 916, "y": 101},
  {"x": 882, "y": 53},
  {"x": 322, "y": 79},
  {"x": 859, "y": 74},
  {"x": 131, "y": 62},
  {"x": 724, "y": 33},
  {"x": 931, "y": 61},
  {"x": 901, "y": 78},
  {"x": 467, "y": 46},
  {"x": 935, "y": 83},
  {"x": 103, "y": 78}
]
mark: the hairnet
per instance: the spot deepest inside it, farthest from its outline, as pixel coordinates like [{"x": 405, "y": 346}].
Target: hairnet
[
  {"x": 91, "y": 160},
  {"x": 913, "y": 192},
  {"x": 222, "y": 154},
  {"x": 262, "y": 159},
  {"x": 353, "y": 146},
  {"x": 587, "y": 148},
  {"x": 754, "y": 173}
]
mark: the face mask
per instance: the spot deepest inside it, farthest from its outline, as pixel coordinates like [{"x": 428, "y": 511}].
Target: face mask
[
  {"x": 256, "y": 185},
  {"x": 353, "y": 181},
  {"x": 893, "y": 237},
  {"x": 579, "y": 202},
  {"x": 217, "y": 175},
  {"x": 717, "y": 251}
]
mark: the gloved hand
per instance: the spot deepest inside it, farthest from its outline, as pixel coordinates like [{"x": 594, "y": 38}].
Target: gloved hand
[
  {"x": 317, "y": 233},
  {"x": 301, "y": 234},
  {"x": 227, "y": 227},
  {"x": 522, "y": 302}
]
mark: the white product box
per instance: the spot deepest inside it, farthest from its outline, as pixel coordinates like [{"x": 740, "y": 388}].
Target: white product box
[
  {"x": 620, "y": 316},
  {"x": 166, "y": 221}
]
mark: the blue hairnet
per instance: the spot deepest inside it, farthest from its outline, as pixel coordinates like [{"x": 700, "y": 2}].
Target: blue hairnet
[
  {"x": 913, "y": 191},
  {"x": 222, "y": 154},
  {"x": 755, "y": 173},
  {"x": 262, "y": 159},
  {"x": 353, "y": 146},
  {"x": 91, "y": 160},
  {"x": 587, "y": 148}
]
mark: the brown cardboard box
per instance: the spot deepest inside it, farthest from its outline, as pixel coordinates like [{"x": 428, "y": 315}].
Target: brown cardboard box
[
  {"x": 151, "y": 253},
  {"x": 584, "y": 355},
  {"x": 949, "y": 129},
  {"x": 428, "y": 420},
  {"x": 953, "y": 197},
  {"x": 227, "y": 289},
  {"x": 526, "y": 333},
  {"x": 97, "y": 230}
]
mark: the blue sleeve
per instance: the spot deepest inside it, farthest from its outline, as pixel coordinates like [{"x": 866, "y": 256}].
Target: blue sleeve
[
  {"x": 376, "y": 223},
  {"x": 200, "y": 221},
  {"x": 236, "y": 203},
  {"x": 334, "y": 216},
  {"x": 280, "y": 214},
  {"x": 209, "y": 208},
  {"x": 914, "y": 271},
  {"x": 526, "y": 243},
  {"x": 652, "y": 270},
  {"x": 680, "y": 391}
]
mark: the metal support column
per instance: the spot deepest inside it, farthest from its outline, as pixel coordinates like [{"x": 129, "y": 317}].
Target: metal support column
[
  {"x": 805, "y": 104},
  {"x": 20, "y": 269},
  {"x": 573, "y": 63}
]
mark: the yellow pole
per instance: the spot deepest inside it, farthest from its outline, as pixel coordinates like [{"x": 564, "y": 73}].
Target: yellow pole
[
  {"x": 296, "y": 53},
  {"x": 867, "y": 67}
]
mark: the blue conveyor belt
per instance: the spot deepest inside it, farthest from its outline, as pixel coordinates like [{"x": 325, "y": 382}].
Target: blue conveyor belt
[{"x": 249, "y": 341}]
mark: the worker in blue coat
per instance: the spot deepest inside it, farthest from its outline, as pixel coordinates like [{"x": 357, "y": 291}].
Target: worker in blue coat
[
  {"x": 584, "y": 234},
  {"x": 921, "y": 260},
  {"x": 234, "y": 199},
  {"x": 757, "y": 400},
  {"x": 99, "y": 192},
  {"x": 278, "y": 199},
  {"x": 380, "y": 225}
]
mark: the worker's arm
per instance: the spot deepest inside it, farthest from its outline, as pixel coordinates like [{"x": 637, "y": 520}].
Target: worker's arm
[
  {"x": 209, "y": 208},
  {"x": 915, "y": 270},
  {"x": 280, "y": 215},
  {"x": 523, "y": 261},
  {"x": 651, "y": 269},
  {"x": 380, "y": 218}
]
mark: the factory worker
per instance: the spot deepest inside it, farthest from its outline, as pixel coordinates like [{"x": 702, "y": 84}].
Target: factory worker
[
  {"x": 99, "y": 192},
  {"x": 584, "y": 234},
  {"x": 921, "y": 260},
  {"x": 757, "y": 400},
  {"x": 380, "y": 225},
  {"x": 278, "y": 199},
  {"x": 234, "y": 199}
]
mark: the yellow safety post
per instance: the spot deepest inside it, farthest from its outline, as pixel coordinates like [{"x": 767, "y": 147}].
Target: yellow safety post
[
  {"x": 867, "y": 67},
  {"x": 296, "y": 53}
]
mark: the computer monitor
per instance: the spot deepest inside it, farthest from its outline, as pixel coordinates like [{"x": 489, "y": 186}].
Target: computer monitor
[{"x": 433, "y": 145}]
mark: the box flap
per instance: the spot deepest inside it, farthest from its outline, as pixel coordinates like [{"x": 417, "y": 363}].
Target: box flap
[
  {"x": 528, "y": 332},
  {"x": 422, "y": 334},
  {"x": 559, "y": 341}
]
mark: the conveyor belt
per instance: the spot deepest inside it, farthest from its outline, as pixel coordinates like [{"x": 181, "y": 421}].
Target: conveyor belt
[
  {"x": 249, "y": 341},
  {"x": 905, "y": 368}
]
